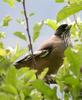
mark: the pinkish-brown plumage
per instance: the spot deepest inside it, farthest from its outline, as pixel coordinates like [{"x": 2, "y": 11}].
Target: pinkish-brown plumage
[{"x": 50, "y": 54}]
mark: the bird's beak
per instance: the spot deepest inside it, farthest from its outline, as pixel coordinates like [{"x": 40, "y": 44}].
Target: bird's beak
[{"x": 68, "y": 27}]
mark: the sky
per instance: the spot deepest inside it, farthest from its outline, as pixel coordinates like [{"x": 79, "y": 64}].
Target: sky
[{"x": 42, "y": 9}]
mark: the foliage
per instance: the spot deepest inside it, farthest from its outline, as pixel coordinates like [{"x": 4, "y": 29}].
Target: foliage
[
  {"x": 22, "y": 84},
  {"x": 10, "y": 2},
  {"x": 20, "y": 35},
  {"x": 6, "y": 20}
]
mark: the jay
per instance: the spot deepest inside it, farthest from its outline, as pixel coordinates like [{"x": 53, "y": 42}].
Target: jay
[{"x": 50, "y": 53}]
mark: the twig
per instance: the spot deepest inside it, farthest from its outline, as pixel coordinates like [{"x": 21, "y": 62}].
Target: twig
[
  {"x": 28, "y": 33},
  {"x": 76, "y": 22}
]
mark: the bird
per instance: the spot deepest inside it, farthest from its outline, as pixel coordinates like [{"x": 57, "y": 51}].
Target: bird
[{"x": 50, "y": 53}]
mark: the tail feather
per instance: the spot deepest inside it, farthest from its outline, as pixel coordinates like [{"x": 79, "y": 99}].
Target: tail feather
[{"x": 27, "y": 61}]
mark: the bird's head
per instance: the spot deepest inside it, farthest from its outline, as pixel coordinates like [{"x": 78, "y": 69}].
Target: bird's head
[{"x": 63, "y": 31}]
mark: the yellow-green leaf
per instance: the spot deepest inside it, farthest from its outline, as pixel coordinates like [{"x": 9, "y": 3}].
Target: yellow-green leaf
[
  {"x": 59, "y": 1},
  {"x": 51, "y": 23},
  {"x": 75, "y": 1},
  {"x": 2, "y": 35},
  {"x": 43, "y": 74},
  {"x": 36, "y": 30},
  {"x": 18, "y": 54},
  {"x": 6, "y": 20},
  {"x": 10, "y": 2},
  {"x": 68, "y": 11},
  {"x": 3, "y": 52},
  {"x": 31, "y": 14},
  {"x": 18, "y": 0},
  {"x": 20, "y": 35}
]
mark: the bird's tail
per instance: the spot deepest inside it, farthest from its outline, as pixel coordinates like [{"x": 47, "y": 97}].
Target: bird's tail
[{"x": 25, "y": 62}]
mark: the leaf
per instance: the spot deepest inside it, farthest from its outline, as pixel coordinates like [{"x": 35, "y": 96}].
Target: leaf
[
  {"x": 18, "y": 0},
  {"x": 11, "y": 76},
  {"x": 1, "y": 45},
  {"x": 20, "y": 35},
  {"x": 3, "y": 52},
  {"x": 6, "y": 20},
  {"x": 22, "y": 72},
  {"x": 73, "y": 30},
  {"x": 36, "y": 30},
  {"x": 66, "y": 96},
  {"x": 10, "y": 2},
  {"x": 71, "y": 80},
  {"x": 51, "y": 23},
  {"x": 68, "y": 10},
  {"x": 44, "y": 89},
  {"x": 80, "y": 26},
  {"x": 35, "y": 95},
  {"x": 75, "y": 1},
  {"x": 22, "y": 96},
  {"x": 26, "y": 74},
  {"x": 22, "y": 12},
  {"x": 20, "y": 21},
  {"x": 4, "y": 96},
  {"x": 59, "y": 1},
  {"x": 2, "y": 35},
  {"x": 31, "y": 14},
  {"x": 8, "y": 88},
  {"x": 18, "y": 54},
  {"x": 4, "y": 63},
  {"x": 43, "y": 74},
  {"x": 74, "y": 56}
]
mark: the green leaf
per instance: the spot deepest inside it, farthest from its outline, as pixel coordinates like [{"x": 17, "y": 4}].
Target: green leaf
[
  {"x": 6, "y": 20},
  {"x": 18, "y": 54},
  {"x": 73, "y": 30},
  {"x": 74, "y": 57},
  {"x": 26, "y": 74},
  {"x": 68, "y": 10},
  {"x": 18, "y": 0},
  {"x": 20, "y": 35},
  {"x": 44, "y": 89},
  {"x": 35, "y": 95},
  {"x": 4, "y": 62},
  {"x": 59, "y": 1},
  {"x": 51, "y": 23},
  {"x": 75, "y": 1},
  {"x": 1, "y": 45},
  {"x": 11, "y": 76},
  {"x": 20, "y": 21},
  {"x": 36, "y": 30},
  {"x": 43, "y": 73},
  {"x": 66, "y": 96},
  {"x": 31, "y": 14},
  {"x": 8, "y": 88},
  {"x": 2, "y": 35},
  {"x": 80, "y": 26},
  {"x": 22, "y": 96},
  {"x": 10, "y": 2},
  {"x": 4, "y": 96},
  {"x": 71, "y": 80},
  {"x": 3, "y": 52}
]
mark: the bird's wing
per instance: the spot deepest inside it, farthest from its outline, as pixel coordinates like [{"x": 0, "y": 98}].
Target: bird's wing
[{"x": 44, "y": 50}]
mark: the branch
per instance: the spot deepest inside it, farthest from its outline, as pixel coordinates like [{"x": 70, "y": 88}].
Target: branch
[
  {"x": 76, "y": 22},
  {"x": 28, "y": 33}
]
